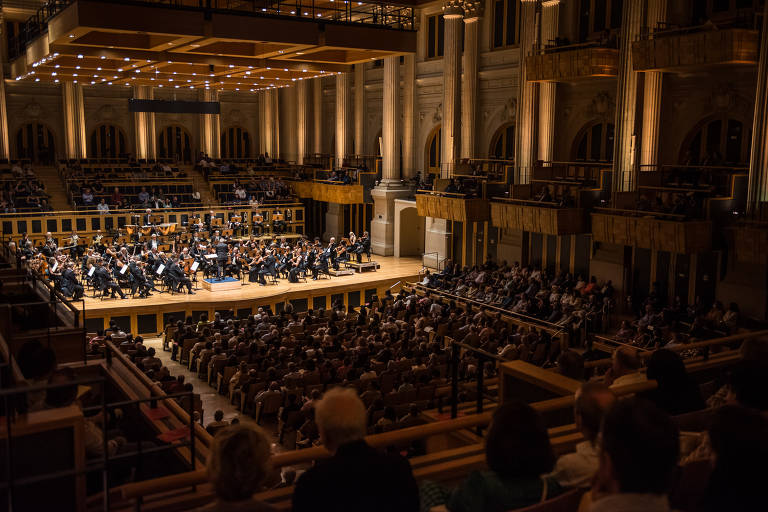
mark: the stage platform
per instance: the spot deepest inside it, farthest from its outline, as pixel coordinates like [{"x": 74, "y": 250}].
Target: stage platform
[
  {"x": 219, "y": 285},
  {"x": 148, "y": 316}
]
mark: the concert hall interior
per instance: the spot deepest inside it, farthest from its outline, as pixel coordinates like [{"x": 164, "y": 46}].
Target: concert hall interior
[{"x": 398, "y": 255}]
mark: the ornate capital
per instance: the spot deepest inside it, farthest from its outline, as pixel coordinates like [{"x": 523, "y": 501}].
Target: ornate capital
[
  {"x": 453, "y": 8},
  {"x": 473, "y": 9},
  {"x": 550, "y": 3}
]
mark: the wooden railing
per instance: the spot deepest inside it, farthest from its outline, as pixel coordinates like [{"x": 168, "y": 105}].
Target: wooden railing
[
  {"x": 572, "y": 63},
  {"x": 651, "y": 230},
  {"x": 537, "y": 217},
  {"x": 451, "y": 206}
]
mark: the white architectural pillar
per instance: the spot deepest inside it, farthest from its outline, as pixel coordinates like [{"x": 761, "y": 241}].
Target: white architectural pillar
[
  {"x": 302, "y": 120},
  {"x": 472, "y": 13},
  {"x": 451, "y": 128},
  {"x": 390, "y": 187},
  {"x": 625, "y": 150},
  {"x": 550, "y": 15},
  {"x": 74, "y": 120},
  {"x": 144, "y": 125},
  {"x": 262, "y": 97},
  {"x": 409, "y": 108},
  {"x": 210, "y": 128},
  {"x": 359, "y": 109},
  {"x": 317, "y": 115},
  {"x": 758, "y": 163},
  {"x": 343, "y": 117},
  {"x": 5, "y": 148},
  {"x": 526, "y": 104},
  {"x": 652, "y": 87}
]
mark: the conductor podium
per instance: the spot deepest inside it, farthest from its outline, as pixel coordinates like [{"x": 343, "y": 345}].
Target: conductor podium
[{"x": 213, "y": 284}]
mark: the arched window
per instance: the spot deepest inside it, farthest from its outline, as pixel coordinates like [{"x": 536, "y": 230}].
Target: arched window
[
  {"x": 716, "y": 140},
  {"x": 36, "y": 142},
  {"x": 503, "y": 143},
  {"x": 107, "y": 141},
  {"x": 174, "y": 142},
  {"x": 235, "y": 143},
  {"x": 594, "y": 143},
  {"x": 432, "y": 157}
]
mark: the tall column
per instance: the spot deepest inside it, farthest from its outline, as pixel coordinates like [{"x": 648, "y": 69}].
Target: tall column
[
  {"x": 271, "y": 123},
  {"x": 550, "y": 15},
  {"x": 409, "y": 108},
  {"x": 262, "y": 96},
  {"x": 472, "y": 13},
  {"x": 210, "y": 129},
  {"x": 144, "y": 125},
  {"x": 317, "y": 115},
  {"x": 343, "y": 117},
  {"x": 302, "y": 119},
  {"x": 74, "y": 120},
  {"x": 652, "y": 86},
  {"x": 451, "y": 134},
  {"x": 390, "y": 187},
  {"x": 5, "y": 149},
  {"x": 359, "y": 109},
  {"x": 390, "y": 121},
  {"x": 624, "y": 163},
  {"x": 526, "y": 104},
  {"x": 758, "y": 162}
]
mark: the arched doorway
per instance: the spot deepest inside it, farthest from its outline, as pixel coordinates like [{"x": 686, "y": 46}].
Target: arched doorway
[
  {"x": 175, "y": 142},
  {"x": 716, "y": 140},
  {"x": 433, "y": 148},
  {"x": 36, "y": 142},
  {"x": 594, "y": 142},
  {"x": 107, "y": 141},
  {"x": 503, "y": 142},
  {"x": 235, "y": 143}
]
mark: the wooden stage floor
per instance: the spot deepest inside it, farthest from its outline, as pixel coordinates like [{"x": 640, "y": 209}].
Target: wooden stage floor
[{"x": 251, "y": 295}]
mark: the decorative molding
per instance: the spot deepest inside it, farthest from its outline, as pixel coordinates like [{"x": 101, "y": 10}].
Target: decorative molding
[{"x": 602, "y": 106}]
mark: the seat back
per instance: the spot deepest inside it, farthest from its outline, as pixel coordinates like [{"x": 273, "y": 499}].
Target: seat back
[{"x": 566, "y": 502}]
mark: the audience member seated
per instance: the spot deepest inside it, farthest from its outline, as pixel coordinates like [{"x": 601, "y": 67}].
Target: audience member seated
[
  {"x": 518, "y": 454},
  {"x": 357, "y": 476},
  {"x": 238, "y": 467},
  {"x": 675, "y": 393},
  {"x": 638, "y": 456},
  {"x": 577, "y": 469}
]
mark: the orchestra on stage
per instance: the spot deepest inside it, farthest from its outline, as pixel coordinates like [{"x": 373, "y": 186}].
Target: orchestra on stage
[{"x": 157, "y": 258}]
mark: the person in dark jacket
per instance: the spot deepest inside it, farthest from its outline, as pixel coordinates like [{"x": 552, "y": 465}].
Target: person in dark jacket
[
  {"x": 676, "y": 393},
  {"x": 357, "y": 476}
]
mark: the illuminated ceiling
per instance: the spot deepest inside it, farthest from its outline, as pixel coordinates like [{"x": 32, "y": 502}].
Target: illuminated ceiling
[{"x": 138, "y": 43}]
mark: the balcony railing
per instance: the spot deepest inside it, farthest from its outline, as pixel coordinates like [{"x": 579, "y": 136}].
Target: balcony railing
[
  {"x": 692, "y": 47},
  {"x": 548, "y": 218},
  {"x": 573, "y": 62},
  {"x": 379, "y": 14},
  {"x": 450, "y": 206}
]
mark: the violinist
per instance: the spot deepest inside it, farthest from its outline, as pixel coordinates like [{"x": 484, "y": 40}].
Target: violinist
[
  {"x": 267, "y": 268},
  {"x": 255, "y": 267},
  {"x": 104, "y": 282},
  {"x": 139, "y": 281},
  {"x": 177, "y": 277},
  {"x": 69, "y": 285},
  {"x": 362, "y": 245},
  {"x": 331, "y": 252}
]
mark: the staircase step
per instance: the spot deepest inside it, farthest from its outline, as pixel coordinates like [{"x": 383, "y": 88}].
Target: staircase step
[{"x": 53, "y": 185}]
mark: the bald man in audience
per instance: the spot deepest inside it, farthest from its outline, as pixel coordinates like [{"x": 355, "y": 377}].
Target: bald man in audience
[
  {"x": 576, "y": 469},
  {"x": 356, "y": 477}
]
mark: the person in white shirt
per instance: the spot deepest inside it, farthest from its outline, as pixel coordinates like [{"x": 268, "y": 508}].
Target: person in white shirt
[
  {"x": 103, "y": 207},
  {"x": 577, "y": 469},
  {"x": 625, "y": 369}
]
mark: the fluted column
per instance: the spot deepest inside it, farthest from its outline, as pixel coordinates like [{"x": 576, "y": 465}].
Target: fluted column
[
  {"x": 74, "y": 120},
  {"x": 359, "y": 109},
  {"x": 210, "y": 129},
  {"x": 409, "y": 107},
  {"x": 390, "y": 121},
  {"x": 758, "y": 162},
  {"x": 550, "y": 15},
  {"x": 624, "y": 164},
  {"x": 262, "y": 101},
  {"x": 317, "y": 115},
  {"x": 271, "y": 123},
  {"x": 343, "y": 117},
  {"x": 144, "y": 125},
  {"x": 472, "y": 13},
  {"x": 390, "y": 187},
  {"x": 302, "y": 120},
  {"x": 526, "y": 104},
  {"x": 4, "y": 138},
  {"x": 652, "y": 87},
  {"x": 451, "y": 128}
]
